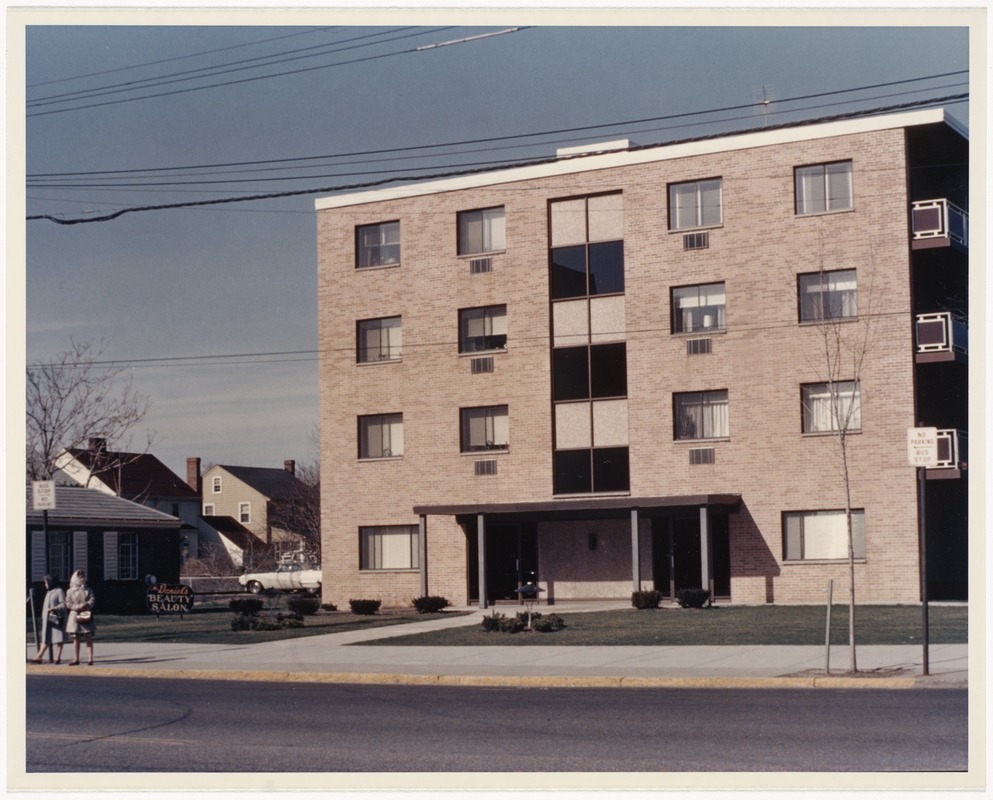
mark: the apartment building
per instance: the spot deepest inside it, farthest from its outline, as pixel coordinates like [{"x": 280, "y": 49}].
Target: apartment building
[{"x": 612, "y": 370}]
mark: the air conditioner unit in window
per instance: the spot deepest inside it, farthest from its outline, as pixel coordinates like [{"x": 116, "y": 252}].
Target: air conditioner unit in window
[
  {"x": 486, "y": 467},
  {"x": 477, "y": 266},
  {"x": 478, "y": 365},
  {"x": 696, "y": 241},
  {"x": 702, "y": 455},
  {"x": 696, "y": 347}
]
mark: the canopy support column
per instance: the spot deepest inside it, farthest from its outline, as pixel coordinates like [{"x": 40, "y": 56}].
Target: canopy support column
[
  {"x": 635, "y": 553},
  {"x": 481, "y": 545},
  {"x": 422, "y": 552},
  {"x": 706, "y": 552}
]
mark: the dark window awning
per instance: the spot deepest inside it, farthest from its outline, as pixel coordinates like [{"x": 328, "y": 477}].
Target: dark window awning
[{"x": 583, "y": 508}]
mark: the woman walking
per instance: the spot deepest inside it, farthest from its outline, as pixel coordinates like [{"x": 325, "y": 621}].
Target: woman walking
[
  {"x": 80, "y": 602},
  {"x": 53, "y": 622}
]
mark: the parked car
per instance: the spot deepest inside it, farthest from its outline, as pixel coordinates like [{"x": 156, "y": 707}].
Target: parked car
[{"x": 285, "y": 578}]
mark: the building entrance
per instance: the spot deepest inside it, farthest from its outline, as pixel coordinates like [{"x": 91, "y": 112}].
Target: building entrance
[
  {"x": 511, "y": 560},
  {"x": 677, "y": 555}
]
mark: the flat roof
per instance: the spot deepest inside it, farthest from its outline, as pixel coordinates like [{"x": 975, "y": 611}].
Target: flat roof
[{"x": 720, "y": 143}]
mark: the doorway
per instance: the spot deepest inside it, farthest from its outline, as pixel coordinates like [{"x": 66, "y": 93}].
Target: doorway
[
  {"x": 511, "y": 560},
  {"x": 677, "y": 555}
]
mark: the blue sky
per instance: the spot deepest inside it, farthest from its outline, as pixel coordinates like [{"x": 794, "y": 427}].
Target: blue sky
[{"x": 229, "y": 291}]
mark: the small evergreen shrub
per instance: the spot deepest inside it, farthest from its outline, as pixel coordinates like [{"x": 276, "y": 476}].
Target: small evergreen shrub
[
  {"x": 430, "y": 604},
  {"x": 649, "y": 598},
  {"x": 253, "y": 622},
  {"x": 365, "y": 606},
  {"x": 303, "y": 604},
  {"x": 512, "y": 625},
  {"x": 246, "y": 605},
  {"x": 549, "y": 624},
  {"x": 693, "y": 598},
  {"x": 523, "y": 616},
  {"x": 492, "y": 622},
  {"x": 329, "y": 606}
]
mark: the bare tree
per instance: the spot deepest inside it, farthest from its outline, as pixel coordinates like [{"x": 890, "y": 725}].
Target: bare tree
[{"x": 76, "y": 398}]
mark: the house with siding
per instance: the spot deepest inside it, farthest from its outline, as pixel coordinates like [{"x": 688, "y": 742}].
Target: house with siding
[{"x": 605, "y": 371}]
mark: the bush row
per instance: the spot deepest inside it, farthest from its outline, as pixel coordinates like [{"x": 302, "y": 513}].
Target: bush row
[
  {"x": 497, "y": 622},
  {"x": 687, "y": 598}
]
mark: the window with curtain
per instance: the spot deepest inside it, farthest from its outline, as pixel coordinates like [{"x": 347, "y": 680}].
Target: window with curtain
[
  {"x": 59, "y": 555},
  {"x": 822, "y": 188},
  {"x": 381, "y": 436},
  {"x": 828, "y": 295},
  {"x": 485, "y": 428},
  {"x": 822, "y": 535},
  {"x": 388, "y": 547},
  {"x": 481, "y": 231},
  {"x": 482, "y": 329},
  {"x": 127, "y": 556},
  {"x": 377, "y": 245},
  {"x": 701, "y": 415},
  {"x": 698, "y": 308},
  {"x": 695, "y": 204},
  {"x": 379, "y": 340},
  {"x": 830, "y": 407},
  {"x": 244, "y": 513}
]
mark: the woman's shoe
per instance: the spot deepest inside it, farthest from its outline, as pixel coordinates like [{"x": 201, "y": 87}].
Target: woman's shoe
[
  {"x": 73, "y": 663},
  {"x": 58, "y": 661}
]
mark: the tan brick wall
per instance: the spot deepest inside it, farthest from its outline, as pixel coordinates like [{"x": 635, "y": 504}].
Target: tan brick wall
[{"x": 761, "y": 360}]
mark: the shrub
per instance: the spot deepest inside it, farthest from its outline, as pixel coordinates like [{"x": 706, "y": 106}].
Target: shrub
[
  {"x": 492, "y": 622},
  {"x": 365, "y": 606},
  {"x": 254, "y": 622},
  {"x": 329, "y": 606},
  {"x": 512, "y": 625},
  {"x": 430, "y": 604},
  {"x": 246, "y": 605},
  {"x": 693, "y": 598},
  {"x": 649, "y": 598},
  {"x": 523, "y": 616},
  {"x": 303, "y": 604},
  {"x": 549, "y": 624}
]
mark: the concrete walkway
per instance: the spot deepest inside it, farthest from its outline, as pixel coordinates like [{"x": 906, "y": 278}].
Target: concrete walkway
[{"x": 341, "y": 658}]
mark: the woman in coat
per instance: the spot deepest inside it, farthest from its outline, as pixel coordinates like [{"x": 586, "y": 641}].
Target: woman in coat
[
  {"x": 53, "y": 622},
  {"x": 80, "y": 600}
]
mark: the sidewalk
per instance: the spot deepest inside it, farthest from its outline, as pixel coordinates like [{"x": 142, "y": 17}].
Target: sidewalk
[{"x": 340, "y": 658}]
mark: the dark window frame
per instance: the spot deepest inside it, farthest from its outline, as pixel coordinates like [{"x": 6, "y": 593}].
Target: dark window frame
[{"x": 363, "y": 252}]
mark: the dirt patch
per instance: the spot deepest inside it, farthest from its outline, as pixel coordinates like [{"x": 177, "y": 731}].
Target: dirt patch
[{"x": 868, "y": 674}]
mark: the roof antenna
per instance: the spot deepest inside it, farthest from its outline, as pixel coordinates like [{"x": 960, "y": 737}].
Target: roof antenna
[{"x": 765, "y": 100}]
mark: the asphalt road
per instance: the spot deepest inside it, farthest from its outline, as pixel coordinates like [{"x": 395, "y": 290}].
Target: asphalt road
[{"x": 162, "y": 725}]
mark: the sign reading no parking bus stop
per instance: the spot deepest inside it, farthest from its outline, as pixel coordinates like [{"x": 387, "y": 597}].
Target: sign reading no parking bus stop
[{"x": 922, "y": 447}]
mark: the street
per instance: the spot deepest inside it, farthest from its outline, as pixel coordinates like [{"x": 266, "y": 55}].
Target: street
[{"x": 164, "y": 725}]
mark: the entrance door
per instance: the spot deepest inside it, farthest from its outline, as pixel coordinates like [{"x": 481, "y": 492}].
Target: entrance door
[
  {"x": 676, "y": 555},
  {"x": 511, "y": 560}
]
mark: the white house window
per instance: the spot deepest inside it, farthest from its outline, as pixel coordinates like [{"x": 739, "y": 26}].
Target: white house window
[
  {"x": 822, "y": 535},
  {"x": 695, "y": 204},
  {"x": 698, "y": 308},
  {"x": 482, "y": 329},
  {"x": 701, "y": 415},
  {"x": 828, "y": 295},
  {"x": 486, "y": 428},
  {"x": 482, "y": 231},
  {"x": 829, "y": 407},
  {"x": 377, "y": 245},
  {"x": 216, "y": 485},
  {"x": 822, "y": 188},
  {"x": 208, "y": 509},
  {"x": 127, "y": 556},
  {"x": 244, "y": 513},
  {"x": 379, "y": 340},
  {"x": 388, "y": 547},
  {"x": 381, "y": 436}
]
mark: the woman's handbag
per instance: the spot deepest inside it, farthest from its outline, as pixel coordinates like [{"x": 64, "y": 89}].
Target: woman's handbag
[
  {"x": 84, "y": 616},
  {"x": 55, "y": 619}
]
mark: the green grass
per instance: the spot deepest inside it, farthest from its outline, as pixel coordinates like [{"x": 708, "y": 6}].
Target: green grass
[{"x": 735, "y": 625}]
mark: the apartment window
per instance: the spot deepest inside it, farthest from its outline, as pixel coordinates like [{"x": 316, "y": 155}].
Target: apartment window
[
  {"x": 822, "y": 535},
  {"x": 829, "y": 407},
  {"x": 587, "y": 246},
  {"x": 482, "y": 329},
  {"x": 701, "y": 415},
  {"x": 216, "y": 484},
  {"x": 208, "y": 510},
  {"x": 828, "y": 295},
  {"x": 388, "y": 547},
  {"x": 127, "y": 556},
  {"x": 698, "y": 308},
  {"x": 379, "y": 340},
  {"x": 597, "y": 371},
  {"x": 695, "y": 204},
  {"x": 822, "y": 188},
  {"x": 600, "y": 469},
  {"x": 244, "y": 513},
  {"x": 485, "y": 428},
  {"x": 381, "y": 436},
  {"x": 377, "y": 245},
  {"x": 59, "y": 555},
  {"x": 482, "y": 231}
]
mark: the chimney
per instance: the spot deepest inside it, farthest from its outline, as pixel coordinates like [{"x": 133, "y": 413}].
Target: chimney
[
  {"x": 193, "y": 475},
  {"x": 97, "y": 444},
  {"x": 290, "y": 466}
]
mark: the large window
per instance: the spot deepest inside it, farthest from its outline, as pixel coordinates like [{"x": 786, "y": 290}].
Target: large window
[
  {"x": 822, "y": 535},
  {"x": 127, "y": 556},
  {"x": 388, "y": 547},
  {"x": 59, "y": 555},
  {"x": 482, "y": 329},
  {"x": 482, "y": 231},
  {"x": 701, "y": 415},
  {"x": 485, "y": 428},
  {"x": 587, "y": 246},
  {"x": 381, "y": 436},
  {"x": 830, "y": 407},
  {"x": 597, "y": 371},
  {"x": 377, "y": 245},
  {"x": 824, "y": 187},
  {"x": 379, "y": 340},
  {"x": 698, "y": 308},
  {"x": 828, "y": 295},
  {"x": 695, "y": 204}
]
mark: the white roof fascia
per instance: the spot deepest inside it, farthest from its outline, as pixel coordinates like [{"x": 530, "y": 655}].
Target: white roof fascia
[{"x": 626, "y": 158}]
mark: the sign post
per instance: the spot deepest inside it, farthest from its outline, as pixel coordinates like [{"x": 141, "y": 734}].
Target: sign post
[
  {"x": 922, "y": 452},
  {"x": 42, "y": 499}
]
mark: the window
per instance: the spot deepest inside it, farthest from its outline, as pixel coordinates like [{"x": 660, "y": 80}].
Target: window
[
  {"x": 827, "y": 295},
  {"x": 822, "y": 535},
  {"x": 388, "y": 547},
  {"x": 127, "y": 556},
  {"x": 208, "y": 509},
  {"x": 698, "y": 308},
  {"x": 695, "y": 204},
  {"x": 377, "y": 245},
  {"x": 587, "y": 246},
  {"x": 701, "y": 415},
  {"x": 486, "y": 428},
  {"x": 59, "y": 555},
  {"x": 824, "y": 187},
  {"x": 828, "y": 407},
  {"x": 216, "y": 485},
  {"x": 589, "y": 372},
  {"x": 600, "y": 469},
  {"x": 381, "y": 436},
  {"x": 379, "y": 340},
  {"x": 482, "y": 329},
  {"x": 482, "y": 231},
  {"x": 244, "y": 513}
]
